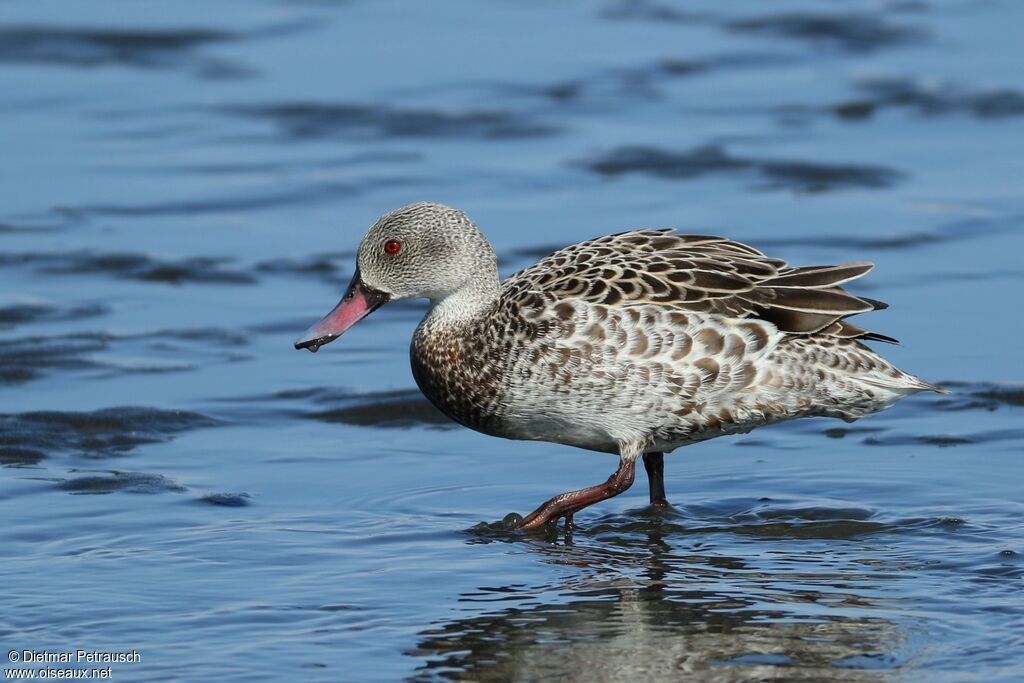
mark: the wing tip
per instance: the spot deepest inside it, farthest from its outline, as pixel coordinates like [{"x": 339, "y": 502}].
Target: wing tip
[
  {"x": 875, "y": 304},
  {"x": 879, "y": 337},
  {"x": 921, "y": 385}
]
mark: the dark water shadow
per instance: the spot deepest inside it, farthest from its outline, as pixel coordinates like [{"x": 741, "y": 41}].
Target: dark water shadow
[
  {"x": 616, "y": 89},
  {"x": 393, "y": 409},
  {"x": 20, "y": 457},
  {"x": 267, "y": 197},
  {"x": 845, "y": 31},
  {"x": 954, "y": 231},
  {"x": 325, "y": 266},
  {"x": 54, "y": 219},
  {"x": 115, "y": 481},
  {"x": 142, "y": 48},
  {"x": 275, "y": 165},
  {"x": 137, "y": 47},
  {"x": 26, "y": 359},
  {"x": 964, "y": 397},
  {"x": 400, "y": 409},
  {"x": 101, "y": 433},
  {"x": 130, "y": 266},
  {"x": 17, "y": 227},
  {"x": 21, "y": 314},
  {"x": 850, "y": 31},
  {"x": 81, "y": 46},
  {"x": 316, "y": 120},
  {"x": 230, "y": 500},
  {"x": 645, "y": 10},
  {"x": 983, "y": 395},
  {"x": 930, "y": 100},
  {"x": 798, "y": 176}
]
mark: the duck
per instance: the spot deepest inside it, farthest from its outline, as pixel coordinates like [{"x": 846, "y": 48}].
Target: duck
[{"x": 633, "y": 344}]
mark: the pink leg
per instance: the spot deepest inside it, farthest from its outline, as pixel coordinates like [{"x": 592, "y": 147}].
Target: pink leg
[{"x": 567, "y": 504}]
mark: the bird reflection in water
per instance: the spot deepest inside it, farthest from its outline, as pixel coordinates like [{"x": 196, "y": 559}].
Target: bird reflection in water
[{"x": 656, "y": 600}]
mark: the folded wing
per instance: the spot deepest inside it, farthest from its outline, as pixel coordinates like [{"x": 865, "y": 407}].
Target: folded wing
[{"x": 702, "y": 274}]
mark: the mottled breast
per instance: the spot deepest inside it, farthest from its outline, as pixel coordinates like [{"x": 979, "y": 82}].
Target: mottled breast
[{"x": 460, "y": 372}]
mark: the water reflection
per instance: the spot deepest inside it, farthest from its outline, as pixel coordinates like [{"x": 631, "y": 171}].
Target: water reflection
[{"x": 651, "y": 600}]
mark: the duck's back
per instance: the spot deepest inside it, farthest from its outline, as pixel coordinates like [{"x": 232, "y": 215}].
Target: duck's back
[{"x": 654, "y": 337}]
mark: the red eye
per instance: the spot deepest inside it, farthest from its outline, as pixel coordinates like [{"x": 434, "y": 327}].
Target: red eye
[{"x": 392, "y": 246}]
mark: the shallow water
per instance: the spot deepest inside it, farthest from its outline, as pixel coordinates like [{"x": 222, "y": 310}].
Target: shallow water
[{"x": 184, "y": 185}]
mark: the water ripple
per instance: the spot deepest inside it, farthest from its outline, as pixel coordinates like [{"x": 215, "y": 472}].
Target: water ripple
[{"x": 799, "y": 176}]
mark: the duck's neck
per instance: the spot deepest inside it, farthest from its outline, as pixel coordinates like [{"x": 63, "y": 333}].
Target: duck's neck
[
  {"x": 450, "y": 359},
  {"x": 461, "y": 308}
]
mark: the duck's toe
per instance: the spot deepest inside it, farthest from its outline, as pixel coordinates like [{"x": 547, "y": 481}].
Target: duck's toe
[{"x": 512, "y": 520}]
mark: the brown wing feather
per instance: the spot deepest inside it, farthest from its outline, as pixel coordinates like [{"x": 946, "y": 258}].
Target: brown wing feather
[{"x": 701, "y": 273}]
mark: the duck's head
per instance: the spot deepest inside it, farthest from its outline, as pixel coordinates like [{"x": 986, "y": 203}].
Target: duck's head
[{"x": 419, "y": 251}]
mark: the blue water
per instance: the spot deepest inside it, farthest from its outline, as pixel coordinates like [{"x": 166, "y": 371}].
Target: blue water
[{"x": 182, "y": 188}]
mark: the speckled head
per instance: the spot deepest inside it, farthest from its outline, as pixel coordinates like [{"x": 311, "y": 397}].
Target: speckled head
[{"x": 423, "y": 250}]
